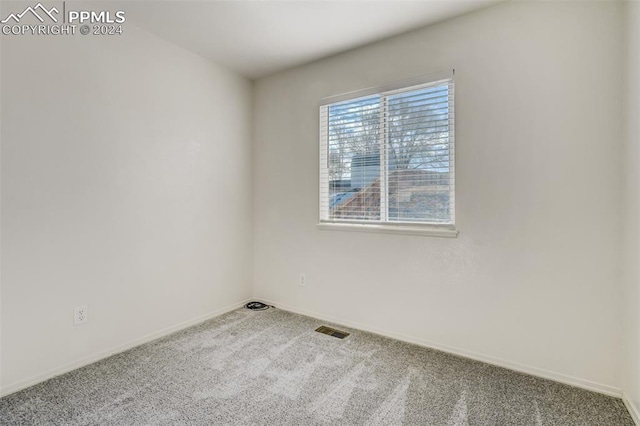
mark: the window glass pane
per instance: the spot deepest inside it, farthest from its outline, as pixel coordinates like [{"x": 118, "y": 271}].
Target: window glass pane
[
  {"x": 354, "y": 159},
  {"x": 418, "y": 155}
]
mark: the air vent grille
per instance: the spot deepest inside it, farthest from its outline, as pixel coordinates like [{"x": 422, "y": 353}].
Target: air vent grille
[{"x": 332, "y": 332}]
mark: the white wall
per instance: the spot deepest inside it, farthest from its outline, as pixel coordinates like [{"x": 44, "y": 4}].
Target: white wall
[
  {"x": 126, "y": 186},
  {"x": 631, "y": 209},
  {"x": 533, "y": 277}
]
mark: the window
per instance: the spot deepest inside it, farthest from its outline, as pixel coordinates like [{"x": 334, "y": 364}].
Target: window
[{"x": 387, "y": 156}]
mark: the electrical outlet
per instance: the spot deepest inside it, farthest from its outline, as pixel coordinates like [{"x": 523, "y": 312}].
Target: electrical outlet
[
  {"x": 303, "y": 280},
  {"x": 80, "y": 315}
]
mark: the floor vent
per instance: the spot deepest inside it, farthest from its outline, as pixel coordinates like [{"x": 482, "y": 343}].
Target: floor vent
[{"x": 332, "y": 332}]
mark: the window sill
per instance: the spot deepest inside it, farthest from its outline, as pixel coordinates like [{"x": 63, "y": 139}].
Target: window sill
[{"x": 425, "y": 230}]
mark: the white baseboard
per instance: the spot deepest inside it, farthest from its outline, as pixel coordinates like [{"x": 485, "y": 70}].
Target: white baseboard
[
  {"x": 534, "y": 371},
  {"x": 38, "y": 378},
  {"x": 632, "y": 408}
]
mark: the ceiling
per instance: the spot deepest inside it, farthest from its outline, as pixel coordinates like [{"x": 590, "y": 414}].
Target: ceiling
[{"x": 256, "y": 38}]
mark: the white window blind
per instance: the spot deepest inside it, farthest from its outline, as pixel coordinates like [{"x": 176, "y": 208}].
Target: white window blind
[{"x": 387, "y": 157}]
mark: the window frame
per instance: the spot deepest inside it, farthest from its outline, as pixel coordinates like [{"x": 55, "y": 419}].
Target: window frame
[{"x": 385, "y": 226}]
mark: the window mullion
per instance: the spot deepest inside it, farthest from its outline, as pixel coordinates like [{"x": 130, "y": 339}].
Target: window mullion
[{"x": 384, "y": 176}]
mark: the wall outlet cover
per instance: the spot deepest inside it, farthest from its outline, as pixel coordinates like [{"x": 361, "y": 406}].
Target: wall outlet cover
[{"x": 80, "y": 315}]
